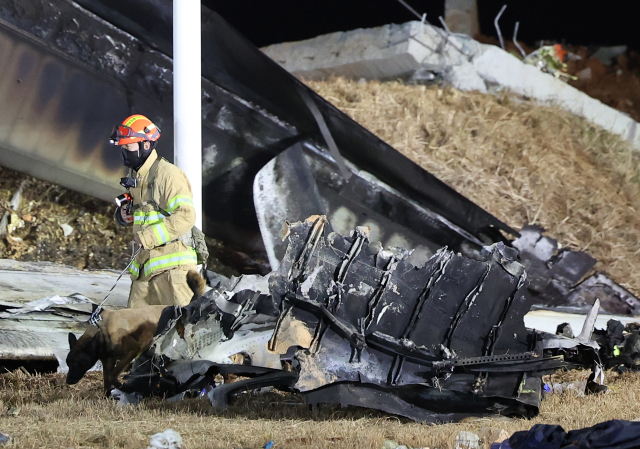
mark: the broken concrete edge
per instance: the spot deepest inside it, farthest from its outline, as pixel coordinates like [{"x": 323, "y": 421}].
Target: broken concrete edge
[{"x": 397, "y": 51}]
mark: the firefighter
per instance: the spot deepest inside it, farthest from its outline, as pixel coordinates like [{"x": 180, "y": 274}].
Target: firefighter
[{"x": 159, "y": 203}]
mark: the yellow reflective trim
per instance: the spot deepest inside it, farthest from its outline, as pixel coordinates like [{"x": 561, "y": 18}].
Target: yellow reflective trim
[
  {"x": 170, "y": 260},
  {"x": 161, "y": 232},
  {"x": 132, "y": 120}
]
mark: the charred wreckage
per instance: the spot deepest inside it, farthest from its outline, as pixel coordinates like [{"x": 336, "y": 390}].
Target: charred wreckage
[
  {"x": 343, "y": 320},
  {"x": 432, "y": 334}
]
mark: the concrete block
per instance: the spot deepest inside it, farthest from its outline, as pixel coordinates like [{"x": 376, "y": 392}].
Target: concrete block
[
  {"x": 465, "y": 77},
  {"x": 383, "y": 53},
  {"x": 377, "y": 53}
]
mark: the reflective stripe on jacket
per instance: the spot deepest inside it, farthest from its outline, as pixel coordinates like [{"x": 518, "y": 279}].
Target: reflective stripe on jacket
[{"x": 159, "y": 233}]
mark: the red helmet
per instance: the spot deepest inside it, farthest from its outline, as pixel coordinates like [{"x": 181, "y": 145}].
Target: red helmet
[{"x": 136, "y": 128}]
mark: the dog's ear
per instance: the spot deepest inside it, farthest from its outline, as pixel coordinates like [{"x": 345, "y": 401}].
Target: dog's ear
[
  {"x": 93, "y": 347},
  {"x": 72, "y": 340}
]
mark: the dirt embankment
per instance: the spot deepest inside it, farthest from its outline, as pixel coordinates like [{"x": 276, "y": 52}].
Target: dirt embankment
[
  {"x": 616, "y": 85},
  {"x": 59, "y": 225}
]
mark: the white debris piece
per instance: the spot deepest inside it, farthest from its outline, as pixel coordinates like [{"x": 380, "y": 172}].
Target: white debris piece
[
  {"x": 169, "y": 439},
  {"x": 467, "y": 440},
  {"x": 40, "y": 305},
  {"x": 66, "y": 229},
  {"x": 125, "y": 399}
]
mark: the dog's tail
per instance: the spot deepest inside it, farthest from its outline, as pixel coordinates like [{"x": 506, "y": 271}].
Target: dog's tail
[{"x": 196, "y": 284}]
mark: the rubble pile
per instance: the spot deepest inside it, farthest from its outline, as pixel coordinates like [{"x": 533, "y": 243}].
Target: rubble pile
[
  {"x": 55, "y": 224},
  {"x": 614, "y": 81}
]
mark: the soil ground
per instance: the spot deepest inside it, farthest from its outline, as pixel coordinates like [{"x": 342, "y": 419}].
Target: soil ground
[
  {"x": 96, "y": 241},
  {"x": 42, "y": 411}
]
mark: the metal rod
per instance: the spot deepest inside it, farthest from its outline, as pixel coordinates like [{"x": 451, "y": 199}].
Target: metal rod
[
  {"x": 187, "y": 96},
  {"x": 515, "y": 40},
  {"x": 445, "y": 34},
  {"x": 413, "y": 11},
  {"x": 326, "y": 134},
  {"x": 444, "y": 24},
  {"x": 495, "y": 23}
]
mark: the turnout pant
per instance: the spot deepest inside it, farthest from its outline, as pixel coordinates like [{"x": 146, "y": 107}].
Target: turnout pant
[{"x": 168, "y": 288}]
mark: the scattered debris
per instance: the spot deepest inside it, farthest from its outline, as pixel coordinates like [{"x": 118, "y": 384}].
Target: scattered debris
[
  {"x": 36, "y": 330},
  {"x": 576, "y": 388},
  {"x": 4, "y": 439},
  {"x": 550, "y": 59},
  {"x": 169, "y": 439},
  {"x": 608, "y": 55},
  {"x": 390, "y": 444},
  {"x": 75, "y": 302},
  {"x": 615, "y": 433},
  {"x": 8, "y": 222},
  {"x": 557, "y": 277},
  {"x": 467, "y": 440},
  {"x": 125, "y": 399}
]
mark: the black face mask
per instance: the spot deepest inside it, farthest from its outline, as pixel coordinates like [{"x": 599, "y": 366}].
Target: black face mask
[{"x": 135, "y": 159}]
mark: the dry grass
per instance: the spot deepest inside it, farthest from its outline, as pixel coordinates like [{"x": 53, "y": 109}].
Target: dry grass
[
  {"x": 522, "y": 162},
  {"x": 53, "y": 414}
]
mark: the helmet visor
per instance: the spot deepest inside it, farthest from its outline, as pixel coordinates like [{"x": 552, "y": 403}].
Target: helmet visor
[{"x": 123, "y": 132}]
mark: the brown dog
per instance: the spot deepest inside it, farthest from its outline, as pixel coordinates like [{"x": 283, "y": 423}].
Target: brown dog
[{"x": 120, "y": 337}]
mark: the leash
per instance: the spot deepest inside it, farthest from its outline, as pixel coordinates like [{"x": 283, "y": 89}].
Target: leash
[{"x": 95, "y": 316}]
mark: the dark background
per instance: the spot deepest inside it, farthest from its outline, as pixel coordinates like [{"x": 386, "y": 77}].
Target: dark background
[{"x": 583, "y": 22}]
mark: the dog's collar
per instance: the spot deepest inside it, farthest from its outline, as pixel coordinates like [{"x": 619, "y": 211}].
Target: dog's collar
[{"x": 95, "y": 316}]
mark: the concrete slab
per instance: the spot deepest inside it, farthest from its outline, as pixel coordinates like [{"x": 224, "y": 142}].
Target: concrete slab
[{"x": 495, "y": 65}]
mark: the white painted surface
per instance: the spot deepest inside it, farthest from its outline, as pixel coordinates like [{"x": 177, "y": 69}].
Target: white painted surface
[
  {"x": 187, "y": 96},
  {"x": 497, "y": 66},
  {"x": 547, "y": 321},
  {"x": 21, "y": 282}
]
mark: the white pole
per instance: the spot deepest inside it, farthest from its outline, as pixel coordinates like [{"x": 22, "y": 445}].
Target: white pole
[{"x": 187, "y": 97}]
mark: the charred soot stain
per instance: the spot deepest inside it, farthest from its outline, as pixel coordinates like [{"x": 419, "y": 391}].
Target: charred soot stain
[
  {"x": 50, "y": 82},
  {"x": 26, "y": 65}
]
